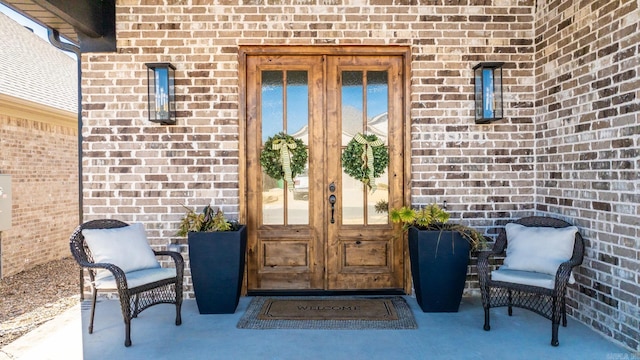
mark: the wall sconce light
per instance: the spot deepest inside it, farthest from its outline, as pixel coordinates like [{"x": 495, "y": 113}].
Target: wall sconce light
[
  {"x": 488, "y": 92},
  {"x": 161, "y": 85}
]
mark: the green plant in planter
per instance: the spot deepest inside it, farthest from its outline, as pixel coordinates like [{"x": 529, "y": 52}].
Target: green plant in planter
[
  {"x": 207, "y": 221},
  {"x": 217, "y": 249},
  {"x": 434, "y": 218},
  {"x": 438, "y": 272}
]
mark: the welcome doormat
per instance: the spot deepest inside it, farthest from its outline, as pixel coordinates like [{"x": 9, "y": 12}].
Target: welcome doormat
[{"x": 328, "y": 312}]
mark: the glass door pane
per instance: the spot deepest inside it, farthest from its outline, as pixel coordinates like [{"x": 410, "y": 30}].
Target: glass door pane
[
  {"x": 364, "y": 110},
  {"x": 298, "y": 127},
  {"x": 285, "y": 101},
  {"x": 378, "y": 123},
  {"x": 353, "y": 194}
]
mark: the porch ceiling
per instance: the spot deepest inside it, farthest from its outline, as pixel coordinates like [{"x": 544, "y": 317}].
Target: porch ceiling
[{"x": 88, "y": 23}]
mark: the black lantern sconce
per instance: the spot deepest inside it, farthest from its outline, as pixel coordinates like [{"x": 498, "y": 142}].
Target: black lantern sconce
[
  {"x": 488, "y": 92},
  {"x": 161, "y": 87}
]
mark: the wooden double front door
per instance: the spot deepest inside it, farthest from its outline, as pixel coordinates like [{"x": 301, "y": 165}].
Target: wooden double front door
[{"x": 331, "y": 232}]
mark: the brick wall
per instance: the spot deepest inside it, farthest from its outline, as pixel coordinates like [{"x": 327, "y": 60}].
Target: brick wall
[
  {"x": 42, "y": 158},
  {"x": 484, "y": 172},
  {"x": 136, "y": 169},
  {"x": 588, "y": 125},
  {"x": 488, "y": 174}
]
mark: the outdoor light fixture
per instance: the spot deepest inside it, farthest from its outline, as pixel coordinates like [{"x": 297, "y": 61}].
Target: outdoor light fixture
[
  {"x": 488, "y": 92},
  {"x": 161, "y": 84}
]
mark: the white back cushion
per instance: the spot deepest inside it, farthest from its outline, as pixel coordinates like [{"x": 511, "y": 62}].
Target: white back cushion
[
  {"x": 125, "y": 247},
  {"x": 539, "y": 249}
]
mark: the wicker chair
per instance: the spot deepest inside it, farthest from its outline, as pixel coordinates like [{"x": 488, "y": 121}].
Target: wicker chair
[
  {"x": 548, "y": 301},
  {"x": 146, "y": 291}
]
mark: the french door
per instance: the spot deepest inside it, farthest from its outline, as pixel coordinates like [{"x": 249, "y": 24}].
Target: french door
[{"x": 330, "y": 231}]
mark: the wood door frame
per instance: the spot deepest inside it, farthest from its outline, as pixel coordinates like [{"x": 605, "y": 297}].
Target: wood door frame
[{"x": 356, "y": 50}]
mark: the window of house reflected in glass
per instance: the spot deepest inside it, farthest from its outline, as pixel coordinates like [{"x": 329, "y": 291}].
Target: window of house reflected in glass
[
  {"x": 297, "y": 126},
  {"x": 377, "y": 123},
  {"x": 352, "y": 123},
  {"x": 272, "y": 107},
  {"x": 272, "y": 110}
]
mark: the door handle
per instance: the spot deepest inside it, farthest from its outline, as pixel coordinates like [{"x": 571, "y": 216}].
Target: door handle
[{"x": 332, "y": 201}]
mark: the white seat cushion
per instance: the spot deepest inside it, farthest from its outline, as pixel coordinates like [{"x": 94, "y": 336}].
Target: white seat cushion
[
  {"x": 530, "y": 278},
  {"x": 538, "y": 249},
  {"x": 126, "y": 247},
  {"x": 136, "y": 278}
]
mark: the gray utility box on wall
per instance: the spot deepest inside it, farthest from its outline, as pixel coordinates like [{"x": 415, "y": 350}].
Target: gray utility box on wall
[{"x": 5, "y": 202}]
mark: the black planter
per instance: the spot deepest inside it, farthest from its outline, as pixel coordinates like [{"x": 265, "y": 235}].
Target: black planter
[
  {"x": 217, "y": 266},
  {"x": 438, "y": 268}
]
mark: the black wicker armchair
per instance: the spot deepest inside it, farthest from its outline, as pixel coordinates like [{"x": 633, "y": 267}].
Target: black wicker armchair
[
  {"x": 543, "y": 294},
  {"x": 137, "y": 289}
]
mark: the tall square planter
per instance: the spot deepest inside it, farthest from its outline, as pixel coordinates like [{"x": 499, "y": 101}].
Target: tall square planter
[
  {"x": 217, "y": 268},
  {"x": 439, "y": 268}
]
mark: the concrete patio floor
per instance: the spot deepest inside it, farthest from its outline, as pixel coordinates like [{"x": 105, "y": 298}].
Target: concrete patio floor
[{"x": 439, "y": 336}]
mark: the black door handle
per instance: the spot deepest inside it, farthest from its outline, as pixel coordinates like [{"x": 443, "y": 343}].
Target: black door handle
[{"x": 332, "y": 201}]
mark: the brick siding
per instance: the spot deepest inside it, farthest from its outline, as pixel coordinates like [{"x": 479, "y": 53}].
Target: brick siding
[
  {"x": 587, "y": 106},
  {"x": 555, "y": 72},
  {"x": 42, "y": 159}
]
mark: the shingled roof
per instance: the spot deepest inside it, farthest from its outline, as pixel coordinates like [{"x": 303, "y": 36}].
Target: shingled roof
[{"x": 34, "y": 70}]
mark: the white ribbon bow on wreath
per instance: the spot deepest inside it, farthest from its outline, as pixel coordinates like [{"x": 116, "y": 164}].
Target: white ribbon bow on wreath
[
  {"x": 367, "y": 157},
  {"x": 285, "y": 158}
]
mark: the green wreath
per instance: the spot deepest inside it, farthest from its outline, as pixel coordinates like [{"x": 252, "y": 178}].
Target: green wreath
[
  {"x": 365, "y": 158},
  {"x": 284, "y": 157}
]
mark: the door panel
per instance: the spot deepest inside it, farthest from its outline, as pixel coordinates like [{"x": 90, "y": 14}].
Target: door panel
[
  {"x": 286, "y": 241},
  {"x": 324, "y": 101},
  {"x": 364, "y": 250}
]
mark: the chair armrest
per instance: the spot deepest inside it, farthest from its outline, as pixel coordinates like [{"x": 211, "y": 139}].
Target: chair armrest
[
  {"x": 483, "y": 264},
  {"x": 564, "y": 273},
  {"x": 564, "y": 270},
  {"x": 483, "y": 259},
  {"x": 578, "y": 250},
  {"x": 177, "y": 259},
  {"x": 111, "y": 267},
  {"x": 118, "y": 274},
  {"x": 176, "y": 256},
  {"x": 499, "y": 249},
  {"x": 485, "y": 255}
]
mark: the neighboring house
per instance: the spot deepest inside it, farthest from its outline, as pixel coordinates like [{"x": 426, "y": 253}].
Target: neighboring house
[
  {"x": 567, "y": 147},
  {"x": 38, "y": 147}
]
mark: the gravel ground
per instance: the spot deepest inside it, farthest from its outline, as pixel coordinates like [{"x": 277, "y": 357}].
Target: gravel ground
[{"x": 32, "y": 297}]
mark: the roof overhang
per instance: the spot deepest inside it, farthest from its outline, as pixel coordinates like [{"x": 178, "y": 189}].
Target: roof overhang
[{"x": 90, "y": 24}]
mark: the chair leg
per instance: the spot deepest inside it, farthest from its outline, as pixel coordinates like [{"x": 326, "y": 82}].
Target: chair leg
[
  {"x": 510, "y": 311},
  {"x": 554, "y": 334},
  {"x": 487, "y": 327},
  {"x": 178, "y": 315},
  {"x": 127, "y": 313},
  {"x": 93, "y": 309},
  {"x": 177, "y": 288},
  {"x": 564, "y": 313},
  {"x": 136, "y": 304},
  {"x": 127, "y": 332},
  {"x": 81, "y": 284}
]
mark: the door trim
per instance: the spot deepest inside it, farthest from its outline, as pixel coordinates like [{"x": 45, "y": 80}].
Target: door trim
[{"x": 356, "y": 50}]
